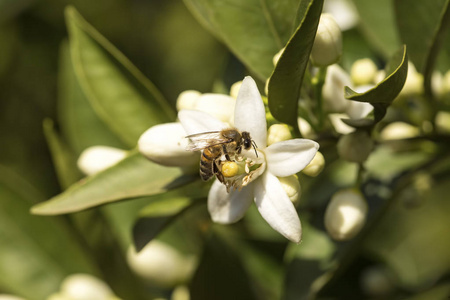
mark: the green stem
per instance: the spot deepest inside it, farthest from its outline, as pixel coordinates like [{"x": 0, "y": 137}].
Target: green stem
[{"x": 318, "y": 82}]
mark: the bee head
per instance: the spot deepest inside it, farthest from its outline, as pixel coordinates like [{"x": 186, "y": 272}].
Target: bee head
[{"x": 248, "y": 142}]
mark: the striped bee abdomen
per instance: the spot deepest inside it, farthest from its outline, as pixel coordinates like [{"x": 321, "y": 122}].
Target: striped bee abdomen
[{"x": 207, "y": 162}]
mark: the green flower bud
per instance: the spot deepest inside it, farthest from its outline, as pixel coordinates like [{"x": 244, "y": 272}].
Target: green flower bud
[
  {"x": 316, "y": 166},
  {"x": 355, "y": 146},
  {"x": 278, "y": 133},
  {"x": 292, "y": 187},
  {"x": 363, "y": 71},
  {"x": 345, "y": 214},
  {"x": 327, "y": 48},
  {"x": 443, "y": 121}
]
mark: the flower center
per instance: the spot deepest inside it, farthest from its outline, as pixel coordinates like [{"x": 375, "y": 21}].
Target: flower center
[{"x": 243, "y": 169}]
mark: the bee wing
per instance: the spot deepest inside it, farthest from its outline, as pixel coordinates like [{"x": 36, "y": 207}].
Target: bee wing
[{"x": 204, "y": 140}]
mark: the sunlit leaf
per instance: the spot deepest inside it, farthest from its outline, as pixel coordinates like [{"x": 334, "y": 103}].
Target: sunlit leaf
[
  {"x": 36, "y": 253},
  {"x": 119, "y": 93},
  {"x": 286, "y": 80},
  {"x": 80, "y": 125},
  {"x": 254, "y": 30},
  {"x": 134, "y": 176},
  {"x": 382, "y": 95}
]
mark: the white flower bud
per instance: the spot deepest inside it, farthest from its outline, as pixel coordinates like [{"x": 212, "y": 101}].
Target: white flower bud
[
  {"x": 85, "y": 287},
  {"x": 443, "y": 121},
  {"x": 166, "y": 144},
  {"x": 181, "y": 292},
  {"x": 344, "y": 12},
  {"x": 345, "y": 214},
  {"x": 381, "y": 74},
  {"x": 161, "y": 264},
  {"x": 363, "y": 71},
  {"x": 327, "y": 48},
  {"x": 414, "y": 82},
  {"x": 292, "y": 187},
  {"x": 10, "y": 297},
  {"x": 355, "y": 146},
  {"x": 235, "y": 87},
  {"x": 446, "y": 82},
  {"x": 277, "y": 56},
  {"x": 398, "y": 130},
  {"x": 333, "y": 89},
  {"x": 305, "y": 128},
  {"x": 188, "y": 99},
  {"x": 278, "y": 133},
  {"x": 217, "y": 105},
  {"x": 98, "y": 158},
  {"x": 316, "y": 166}
]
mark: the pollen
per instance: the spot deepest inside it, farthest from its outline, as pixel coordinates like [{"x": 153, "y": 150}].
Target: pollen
[{"x": 230, "y": 169}]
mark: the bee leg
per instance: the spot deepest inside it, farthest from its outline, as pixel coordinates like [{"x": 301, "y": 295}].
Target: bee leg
[
  {"x": 227, "y": 156},
  {"x": 217, "y": 172}
]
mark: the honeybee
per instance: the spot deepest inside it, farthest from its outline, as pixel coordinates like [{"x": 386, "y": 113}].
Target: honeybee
[{"x": 228, "y": 142}]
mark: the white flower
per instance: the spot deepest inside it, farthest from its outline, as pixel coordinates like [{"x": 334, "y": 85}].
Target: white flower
[
  {"x": 336, "y": 103},
  {"x": 260, "y": 184},
  {"x": 98, "y": 158}
]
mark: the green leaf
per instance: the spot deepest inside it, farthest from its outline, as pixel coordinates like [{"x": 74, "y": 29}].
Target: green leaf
[
  {"x": 254, "y": 30},
  {"x": 119, "y": 93},
  {"x": 36, "y": 253},
  {"x": 134, "y": 176},
  {"x": 80, "y": 125},
  {"x": 418, "y": 23},
  {"x": 286, "y": 80},
  {"x": 377, "y": 23},
  {"x": 63, "y": 158},
  {"x": 382, "y": 95}
]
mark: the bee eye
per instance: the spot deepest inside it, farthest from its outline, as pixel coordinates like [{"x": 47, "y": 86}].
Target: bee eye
[{"x": 247, "y": 144}]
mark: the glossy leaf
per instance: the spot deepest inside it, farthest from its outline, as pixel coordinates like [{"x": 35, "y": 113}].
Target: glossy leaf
[
  {"x": 377, "y": 24},
  {"x": 63, "y": 159},
  {"x": 253, "y": 30},
  {"x": 382, "y": 95},
  {"x": 80, "y": 125},
  {"x": 119, "y": 93},
  {"x": 134, "y": 176},
  {"x": 286, "y": 80},
  {"x": 36, "y": 253}
]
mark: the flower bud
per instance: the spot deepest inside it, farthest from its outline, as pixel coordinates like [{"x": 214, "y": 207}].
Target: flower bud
[
  {"x": 10, "y": 297},
  {"x": 98, "y": 158},
  {"x": 181, "y": 292},
  {"x": 376, "y": 282},
  {"x": 292, "y": 187},
  {"x": 345, "y": 214},
  {"x": 166, "y": 144},
  {"x": 235, "y": 87},
  {"x": 443, "y": 121},
  {"x": 85, "y": 286},
  {"x": 363, "y": 71},
  {"x": 305, "y": 128},
  {"x": 277, "y": 56},
  {"x": 355, "y": 146},
  {"x": 217, "y": 105},
  {"x": 414, "y": 82},
  {"x": 278, "y": 133},
  {"x": 187, "y": 99},
  {"x": 398, "y": 131},
  {"x": 333, "y": 89},
  {"x": 161, "y": 264},
  {"x": 339, "y": 125},
  {"x": 446, "y": 82},
  {"x": 316, "y": 166},
  {"x": 327, "y": 48}
]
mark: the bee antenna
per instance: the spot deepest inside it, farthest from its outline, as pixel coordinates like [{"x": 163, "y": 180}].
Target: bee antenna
[{"x": 254, "y": 147}]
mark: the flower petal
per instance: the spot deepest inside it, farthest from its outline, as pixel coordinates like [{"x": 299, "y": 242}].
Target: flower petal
[
  {"x": 289, "y": 157},
  {"x": 226, "y": 208},
  {"x": 197, "y": 122},
  {"x": 276, "y": 208},
  {"x": 249, "y": 114},
  {"x": 358, "y": 110}
]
